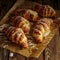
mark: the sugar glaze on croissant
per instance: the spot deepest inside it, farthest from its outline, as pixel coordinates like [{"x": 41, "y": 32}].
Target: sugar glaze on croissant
[
  {"x": 42, "y": 27},
  {"x": 31, "y": 15},
  {"x": 21, "y": 22},
  {"x": 16, "y": 35}
]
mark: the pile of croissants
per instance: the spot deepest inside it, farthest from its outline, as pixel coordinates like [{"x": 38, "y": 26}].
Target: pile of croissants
[{"x": 20, "y": 24}]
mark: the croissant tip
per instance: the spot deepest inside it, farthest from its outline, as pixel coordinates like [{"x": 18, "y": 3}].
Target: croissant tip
[{"x": 25, "y": 45}]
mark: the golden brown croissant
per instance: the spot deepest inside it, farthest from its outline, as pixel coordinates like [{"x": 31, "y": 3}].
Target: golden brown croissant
[
  {"x": 16, "y": 35},
  {"x": 45, "y": 11},
  {"x": 21, "y": 22},
  {"x": 42, "y": 27},
  {"x": 26, "y": 13}
]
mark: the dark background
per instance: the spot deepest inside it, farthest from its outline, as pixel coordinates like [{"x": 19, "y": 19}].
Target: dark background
[
  {"x": 54, "y": 3},
  {"x": 5, "y": 5}
]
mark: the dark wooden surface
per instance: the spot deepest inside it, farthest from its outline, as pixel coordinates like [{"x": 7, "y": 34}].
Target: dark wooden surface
[{"x": 50, "y": 51}]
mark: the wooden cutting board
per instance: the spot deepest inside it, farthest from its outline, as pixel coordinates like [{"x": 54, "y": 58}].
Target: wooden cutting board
[{"x": 36, "y": 49}]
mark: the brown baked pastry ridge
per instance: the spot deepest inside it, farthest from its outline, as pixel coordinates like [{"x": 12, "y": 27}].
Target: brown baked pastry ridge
[
  {"x": 21, "y": 22},
  {"x": 45, "y": 11},
  {"x": 16, "y": 35},
  {"x": 42, "y": 27}
]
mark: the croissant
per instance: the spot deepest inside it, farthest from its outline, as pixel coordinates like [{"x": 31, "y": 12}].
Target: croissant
[
  {"x": 16, "y": 35},
  {"x": 20, "y": 22},
  {"x": 45, "y": 11},
  {"x": 26, "y": 13},
  {"x": 42, "y": 27}
]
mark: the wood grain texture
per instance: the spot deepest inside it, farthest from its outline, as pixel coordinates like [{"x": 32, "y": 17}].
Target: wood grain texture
[
  {"x": 50, "y": 51},
  {"x": 41, "y": 57},
  {"x": 19, "y": 57}
]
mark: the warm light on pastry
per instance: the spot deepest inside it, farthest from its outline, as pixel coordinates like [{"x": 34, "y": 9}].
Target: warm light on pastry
[
  {"x": 21, "y": 22},
  {"x": 31, "y": 15},
  {"x": 30, "y": 24},
  {"x": 16, "y": 35},
  {"x": 41, "y": 29}
]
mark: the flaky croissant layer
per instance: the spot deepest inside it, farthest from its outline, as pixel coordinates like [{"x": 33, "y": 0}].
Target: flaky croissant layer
[
  {"x": 21, "y": 22},
  {"x": 45, "y": 11},
  {"x": 16, "y": 35},
  {"x": 41, "y": 28}
]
